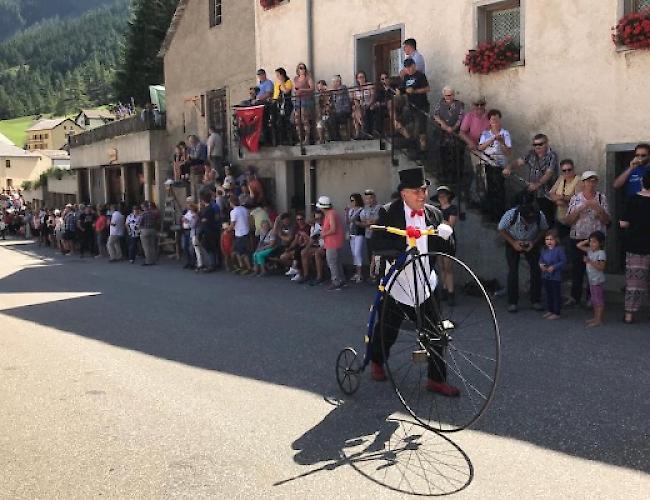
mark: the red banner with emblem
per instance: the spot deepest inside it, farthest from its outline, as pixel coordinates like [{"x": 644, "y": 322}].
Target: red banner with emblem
[{"x": 250, "y": 120}]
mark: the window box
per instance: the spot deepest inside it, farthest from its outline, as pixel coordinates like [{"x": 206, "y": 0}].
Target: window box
[
  {"x": 493, "y": 56},
  {"x": 499, "y": 36},
  {"x": 269, "y": 4},
  {"x": 633, "y": 30}
]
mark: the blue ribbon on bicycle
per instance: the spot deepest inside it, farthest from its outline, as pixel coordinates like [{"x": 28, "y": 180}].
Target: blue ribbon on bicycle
[{"x": 379, "y": 296}]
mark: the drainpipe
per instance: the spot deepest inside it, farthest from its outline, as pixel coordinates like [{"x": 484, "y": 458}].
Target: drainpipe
[{"x": 309, "y": 12}]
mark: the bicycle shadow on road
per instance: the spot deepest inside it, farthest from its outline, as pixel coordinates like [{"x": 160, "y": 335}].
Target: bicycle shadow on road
[{"x": 385, "y": 447}]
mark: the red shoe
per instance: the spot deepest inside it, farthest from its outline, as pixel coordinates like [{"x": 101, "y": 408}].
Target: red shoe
[
  {"x": 377, "y": 372},
  {"x": 442, "y": 388}
]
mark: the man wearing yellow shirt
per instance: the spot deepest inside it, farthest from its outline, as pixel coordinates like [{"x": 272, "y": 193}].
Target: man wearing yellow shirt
[{"x": 282, "y": 89}]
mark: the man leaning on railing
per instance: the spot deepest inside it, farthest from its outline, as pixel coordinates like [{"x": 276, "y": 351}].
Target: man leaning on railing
[{"x": 340, "y": 108}]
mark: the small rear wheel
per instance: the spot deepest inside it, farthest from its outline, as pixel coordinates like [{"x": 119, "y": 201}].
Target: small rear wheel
[{"x": 348, "y": 370}]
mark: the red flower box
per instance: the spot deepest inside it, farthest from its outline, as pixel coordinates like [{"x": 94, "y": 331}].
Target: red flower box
[
  {"x": 633, "y": 30},
  {"x": 493, "y": 56},
  {"x": 269, "y": 4}
]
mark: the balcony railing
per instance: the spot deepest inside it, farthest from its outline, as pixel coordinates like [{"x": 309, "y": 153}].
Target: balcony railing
[
  {"x": 354, "y": 113},
  {"x": 117, "y": 128}
]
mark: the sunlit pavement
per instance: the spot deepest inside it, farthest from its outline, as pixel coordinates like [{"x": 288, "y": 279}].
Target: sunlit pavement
[{"x": 123, "y": 381}]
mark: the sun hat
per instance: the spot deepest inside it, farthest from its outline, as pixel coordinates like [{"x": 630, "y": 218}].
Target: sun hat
[
  {"x": 588, "y": 175},
  {"x": 447, "y": 189},
  {"x": 324, "y": 202},
  {"x": 369, "y": 192}
]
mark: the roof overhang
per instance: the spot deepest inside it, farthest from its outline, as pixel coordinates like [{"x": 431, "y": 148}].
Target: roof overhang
[{"x": 173, "y": 27}]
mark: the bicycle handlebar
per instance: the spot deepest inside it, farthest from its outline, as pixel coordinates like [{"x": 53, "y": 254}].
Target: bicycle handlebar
[{"x": 412, "y": 234}]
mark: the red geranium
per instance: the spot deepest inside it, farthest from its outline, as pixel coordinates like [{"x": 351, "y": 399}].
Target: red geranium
[
  {"x": 633, "y": 30},
  {"x": 269, "y": 4},
  {"x": 494, "y": 56}
]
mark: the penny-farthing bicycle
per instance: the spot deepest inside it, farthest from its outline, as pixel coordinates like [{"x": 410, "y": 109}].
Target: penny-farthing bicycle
[{"x": 462, "y": 340}]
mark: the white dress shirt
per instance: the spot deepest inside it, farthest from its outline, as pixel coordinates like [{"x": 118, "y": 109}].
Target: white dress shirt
[{"x": 403, "y": 289}]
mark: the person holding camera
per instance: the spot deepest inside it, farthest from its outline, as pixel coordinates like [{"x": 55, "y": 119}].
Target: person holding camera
[
  {"x": 523, "y": 228},
  {"x": 632, "y": 176},
  {"x": 496, "y": 143}
]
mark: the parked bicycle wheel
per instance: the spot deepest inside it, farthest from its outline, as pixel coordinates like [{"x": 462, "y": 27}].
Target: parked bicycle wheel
[{"x": 431, "y": 348}]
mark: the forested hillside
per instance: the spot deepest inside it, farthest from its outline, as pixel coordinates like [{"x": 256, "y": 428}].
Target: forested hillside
[
  {"x": 60, "y": 64},
  {"x": 16, "y": 15}
]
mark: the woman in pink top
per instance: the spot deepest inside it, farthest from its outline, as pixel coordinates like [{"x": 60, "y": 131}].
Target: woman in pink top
[
  {"x": 474, "y": 124},
  {"x": 333, "y": 235},
  {"x": 303, "y": 88}
]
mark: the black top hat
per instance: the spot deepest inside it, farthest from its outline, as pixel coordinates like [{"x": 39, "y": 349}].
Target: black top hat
[{"x": 412, "y": 178}]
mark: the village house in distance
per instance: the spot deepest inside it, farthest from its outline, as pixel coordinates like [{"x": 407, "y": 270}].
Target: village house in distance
[
  {"x": 89, "y": 119},
  {"x": 51, "y": 133}
]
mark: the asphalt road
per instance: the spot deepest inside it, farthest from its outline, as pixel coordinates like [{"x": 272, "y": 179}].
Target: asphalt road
[{"x": 122, "y": 381}]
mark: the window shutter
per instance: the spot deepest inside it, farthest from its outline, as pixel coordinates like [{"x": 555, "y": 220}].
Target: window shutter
[{"x": 212, "y": 10}]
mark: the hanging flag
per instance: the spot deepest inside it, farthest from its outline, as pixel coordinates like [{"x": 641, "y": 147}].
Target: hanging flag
[{"x": 249, "y": 124}]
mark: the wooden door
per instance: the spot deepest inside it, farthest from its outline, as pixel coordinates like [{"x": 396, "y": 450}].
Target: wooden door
[{"x": 384, "y": 51}]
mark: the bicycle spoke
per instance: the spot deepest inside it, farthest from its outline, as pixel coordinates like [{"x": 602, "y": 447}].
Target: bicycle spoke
[
  {"x": 471, "y": 363},
  {"x": 458, "y": 374},
  {"x": 465, "y": 383},
  {"x": 475, "y": 354}
]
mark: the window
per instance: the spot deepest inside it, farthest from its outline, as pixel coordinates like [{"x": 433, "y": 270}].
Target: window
[
  {"x": 216, "y": 106},
  {"x": 10, "y": 183},
  {"x": 498, "y": 19},
  {"x": 215, "y": 13},
  {"x": 7, "y": 163},
  {"x": 45, "y": 136},
  {"x": 635, "y": 5}
]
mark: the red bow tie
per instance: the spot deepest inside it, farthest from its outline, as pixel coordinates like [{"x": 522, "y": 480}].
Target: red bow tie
[{"x": 417, "y": 212}]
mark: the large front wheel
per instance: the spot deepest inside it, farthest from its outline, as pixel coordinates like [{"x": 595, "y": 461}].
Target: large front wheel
[{"x": 433, "y": 346}]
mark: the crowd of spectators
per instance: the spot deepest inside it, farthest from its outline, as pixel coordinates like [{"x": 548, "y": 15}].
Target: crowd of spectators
[
  {"x": 233, "y": 227},
  {"x": 302, "y": 110},
  {"x": 543, "y": 206},
  {"x": 548, "y": 213},
  {"x": 559, "y": 226}
]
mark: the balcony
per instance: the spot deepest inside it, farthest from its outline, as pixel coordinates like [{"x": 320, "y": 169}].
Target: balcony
[
  {"x": 131, "y": 140},
  {"x": 343, "y": 124},
  {"x": 117, "y": 128}
]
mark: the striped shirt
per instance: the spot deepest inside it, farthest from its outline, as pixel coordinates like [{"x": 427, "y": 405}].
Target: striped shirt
[{"x": 519, "y": 229}]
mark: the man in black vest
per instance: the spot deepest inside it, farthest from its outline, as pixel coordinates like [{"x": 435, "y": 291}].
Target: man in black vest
[{"x": 410, "y": 210}]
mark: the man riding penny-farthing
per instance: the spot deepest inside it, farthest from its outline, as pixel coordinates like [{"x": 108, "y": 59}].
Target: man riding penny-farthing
[{"x": 442, "y": 360}]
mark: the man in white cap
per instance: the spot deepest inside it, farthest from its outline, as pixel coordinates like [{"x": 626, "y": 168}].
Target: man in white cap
[
  {"x": 411, "y": 210},
  {"x": 333, "y": 234},
  {"x": 588, "y": 212}
]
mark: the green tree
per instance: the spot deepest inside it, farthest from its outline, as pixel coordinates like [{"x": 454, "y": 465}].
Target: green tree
[{"x": 139, "y": 64}]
